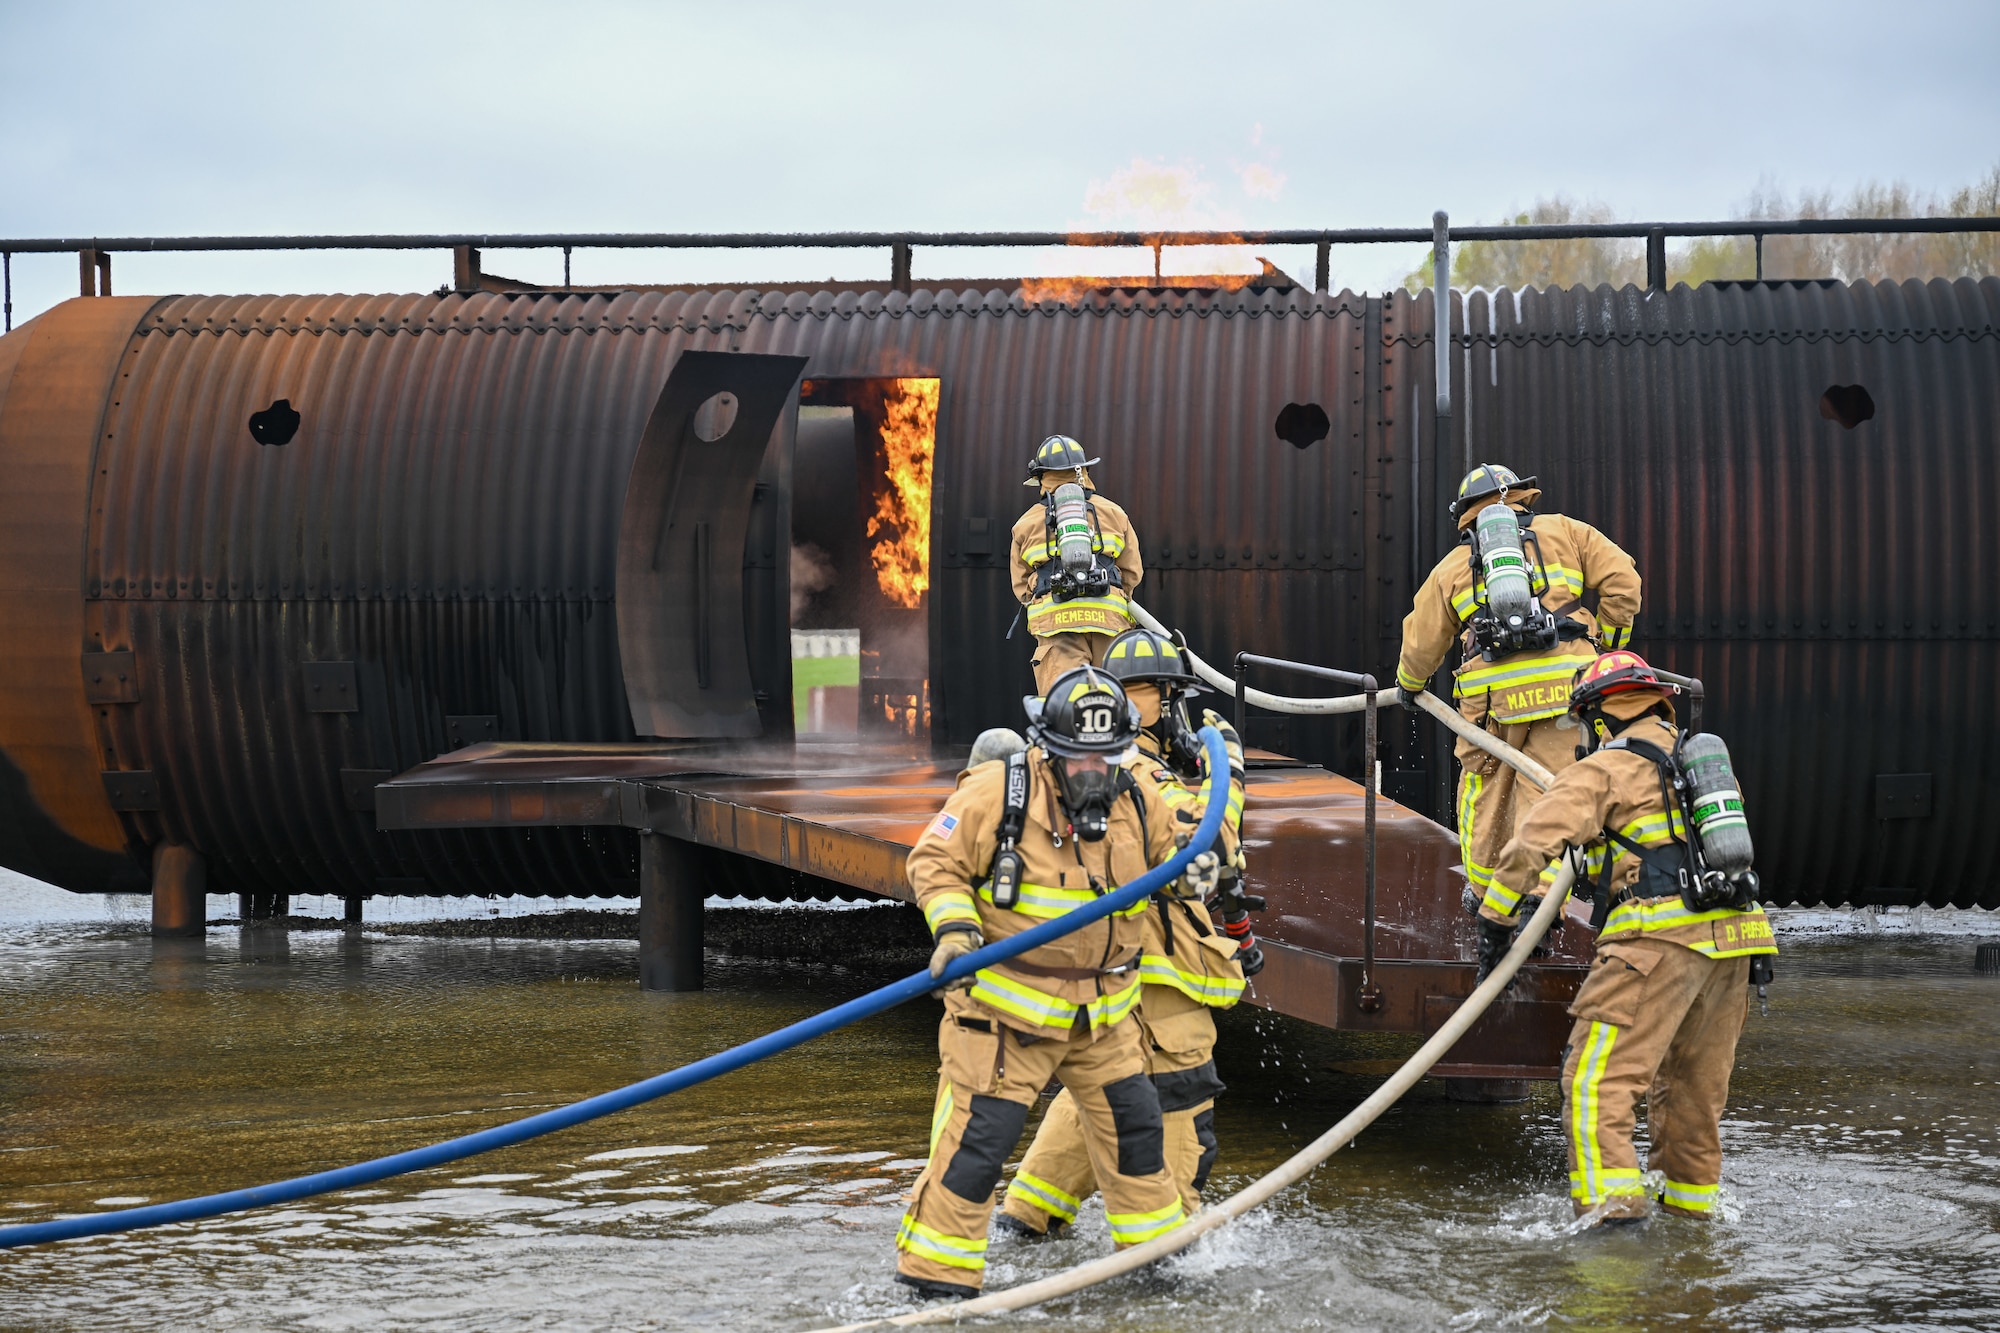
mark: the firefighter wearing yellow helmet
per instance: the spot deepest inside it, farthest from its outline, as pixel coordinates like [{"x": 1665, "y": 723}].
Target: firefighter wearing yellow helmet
[
  {"x": 1075, "y": 563},
  {"x": 1512, "y": 595},
  {"x": 1655, "y": 821},
  {"x": 1191, "y": 965},
  {"x": 1026, "y": 838}
]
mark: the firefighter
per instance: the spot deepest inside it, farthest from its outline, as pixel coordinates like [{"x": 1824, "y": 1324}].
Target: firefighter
[
  {"x": 1665, "y": 1000},
  {"x": 1515, "y": 679},
  {"x": 1188, "y": 968},
  {"x": 1075, "y": 599},
  {"x": 1020, "y": 842}
]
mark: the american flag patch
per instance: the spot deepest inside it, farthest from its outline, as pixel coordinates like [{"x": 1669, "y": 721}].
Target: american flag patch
[{"x": 944, "y": 825}]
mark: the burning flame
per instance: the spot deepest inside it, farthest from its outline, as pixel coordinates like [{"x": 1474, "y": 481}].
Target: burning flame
[{"x": 903, "y": 509}]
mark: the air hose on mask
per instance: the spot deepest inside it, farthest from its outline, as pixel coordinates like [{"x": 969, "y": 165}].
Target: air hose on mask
[
  {"x": 1294, "y": 1170},
  {"x": 660, "y": 1085}
]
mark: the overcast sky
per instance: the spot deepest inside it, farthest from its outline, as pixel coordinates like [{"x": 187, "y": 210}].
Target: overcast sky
[{"x": 180, "y": 119}]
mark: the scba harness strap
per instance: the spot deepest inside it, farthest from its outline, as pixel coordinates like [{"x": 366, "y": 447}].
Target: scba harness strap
[{"x": 1675, "y": 870}]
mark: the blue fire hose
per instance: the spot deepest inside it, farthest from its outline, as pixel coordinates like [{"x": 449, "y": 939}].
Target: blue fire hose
[{"x": 646, "y": 1090}]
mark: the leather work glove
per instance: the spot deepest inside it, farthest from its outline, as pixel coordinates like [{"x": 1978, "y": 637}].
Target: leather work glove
[
  {"x": 954, "y": 942},
  {"x": 1199, "y": 879},
  {"x": 1408, "y": 699},
  {"x": 1230, "y": 741},
  {"x": 1494, "y": 940}
]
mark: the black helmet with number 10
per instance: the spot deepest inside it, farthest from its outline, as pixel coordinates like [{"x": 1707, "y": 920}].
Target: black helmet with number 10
[{"x": 1086, "y": 726}]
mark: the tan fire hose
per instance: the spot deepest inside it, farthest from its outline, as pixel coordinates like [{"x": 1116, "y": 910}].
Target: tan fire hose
[
  {"x": 1355, "y": 703},
  {"x": 1294, "y": 1170},
  {"x": 1300, "y": 1164}
]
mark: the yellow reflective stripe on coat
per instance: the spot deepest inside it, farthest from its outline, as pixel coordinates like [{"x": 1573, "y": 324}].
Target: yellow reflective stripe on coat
[
  {"x": 1160, "y": 970},
  {"x": 1735, "y": 933},
  {"x": 1615, "y": 636},
  {"x": 1562, "y": 578},
  {"x": 1133, "y": 1228},
  {"x": 1588, "y": 1181},
  {"x": 1104, "y": 543},
  {"x": 950, "y": 905},
  {"x": 1500, "y": 898},
  {"x": 1408, "y": 681},
  {"x": 1038, "y": 1193},
  {"x": 930, "y": 1243},
  {"x": 1109, "y": 614},
  {"x": 1044, "y": 901},
  {"x": 1516, "y": 672},
  {"x": 1693, "y": 1198},
  {"x": 1044, "y": 1010}
]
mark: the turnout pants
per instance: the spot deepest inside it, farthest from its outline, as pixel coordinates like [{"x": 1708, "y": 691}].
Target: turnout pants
[
  {"x": 1066, "y": 652},
  {"x": 991, "y": 1075},
  {"x": 1493, "y": 798},
  {"x": 1056, "y": 1176},
  {"x": 1661, "y": 1021}
]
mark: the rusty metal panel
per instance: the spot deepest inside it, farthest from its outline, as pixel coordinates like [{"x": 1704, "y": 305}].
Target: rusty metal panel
[
  {"x": 110, "y": 678},
  {"x": 1247, "y": 538},
  {"x": 57, "y": 373},
  {"x": 1831, "y": 582}
]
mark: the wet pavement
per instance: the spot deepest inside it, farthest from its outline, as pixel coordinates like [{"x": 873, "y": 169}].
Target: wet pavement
[{"x": 1862, "y": 1187}]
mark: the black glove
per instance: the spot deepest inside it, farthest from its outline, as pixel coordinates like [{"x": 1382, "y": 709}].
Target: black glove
[
  {"x": 1495, "y": 938},
  {"x": 1408, "y": 699}
]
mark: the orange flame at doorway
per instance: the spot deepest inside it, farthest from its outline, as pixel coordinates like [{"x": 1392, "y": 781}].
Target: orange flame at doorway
[{"x": 902, "y": 558}]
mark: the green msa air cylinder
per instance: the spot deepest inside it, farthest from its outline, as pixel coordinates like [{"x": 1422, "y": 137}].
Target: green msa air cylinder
[
  {"x": 1509, "y": 595},
  {"x": 1716, "y": 804},
  {"x": 1073, "y": 532}
]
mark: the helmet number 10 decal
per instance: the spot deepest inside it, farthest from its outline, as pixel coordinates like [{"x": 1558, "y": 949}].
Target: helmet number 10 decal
[{"x": 1094, "y": 720}]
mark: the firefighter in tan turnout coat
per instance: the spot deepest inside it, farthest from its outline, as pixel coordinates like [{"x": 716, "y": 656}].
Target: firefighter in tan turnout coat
[
  {"x": 1076, "y": 600},
  {"x": 1190, "y": 965},
  {"x": 1515, "y": 680},
  {"x": 1660, "y": 1013},
  {"x": 1020, "y": 842}
]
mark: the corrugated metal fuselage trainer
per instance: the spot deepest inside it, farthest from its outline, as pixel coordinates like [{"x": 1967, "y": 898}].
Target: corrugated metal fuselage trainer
[{"x": 526, "y": 518}]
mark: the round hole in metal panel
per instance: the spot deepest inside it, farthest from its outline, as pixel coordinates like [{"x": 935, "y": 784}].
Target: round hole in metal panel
[
  {"x": 713, "y": 418},
  {"x": 276, "y": 424},
  {"x": 1302, "y": 425},
  {"x": 1849, "y": 404}
]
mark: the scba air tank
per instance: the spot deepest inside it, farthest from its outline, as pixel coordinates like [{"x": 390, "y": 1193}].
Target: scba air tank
[
  {"x": 1510, "y": 595},
  {"x": 1716, "y": 804},
  {"x": 1073, "y": 531}
]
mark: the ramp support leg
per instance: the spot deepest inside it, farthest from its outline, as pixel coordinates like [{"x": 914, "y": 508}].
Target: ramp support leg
[
  {"x": 180, "y": 891},
  {"x": 670, "y": 898}
]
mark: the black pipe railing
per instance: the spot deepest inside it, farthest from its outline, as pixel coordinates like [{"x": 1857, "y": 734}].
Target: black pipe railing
[
  {"x": 1370, "y": 995},
  {"x": 96, "y": 251}
]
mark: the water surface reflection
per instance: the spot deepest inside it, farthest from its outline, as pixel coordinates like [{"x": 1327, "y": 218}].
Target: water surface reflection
[{"x": 1861, "y": 1188}]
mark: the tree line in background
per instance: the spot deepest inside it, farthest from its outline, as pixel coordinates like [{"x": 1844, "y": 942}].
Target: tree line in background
[{"x": 1872, "y": 257}]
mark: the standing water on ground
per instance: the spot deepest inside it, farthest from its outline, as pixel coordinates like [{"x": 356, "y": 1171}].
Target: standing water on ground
[{"x": 1862, "y": 1186}]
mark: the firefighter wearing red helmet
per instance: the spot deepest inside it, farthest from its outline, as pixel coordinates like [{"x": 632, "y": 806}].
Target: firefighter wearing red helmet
[
  {"x": 1075, "y": 562},
  {"x": 1680, "y": 934},
  {"x": 1513, "y": 595}
]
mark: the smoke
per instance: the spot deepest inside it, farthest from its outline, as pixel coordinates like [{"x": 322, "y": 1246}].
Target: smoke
[{"x": 812, "y": 573}]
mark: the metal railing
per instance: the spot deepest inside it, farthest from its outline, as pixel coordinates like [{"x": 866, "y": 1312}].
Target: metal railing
[
  {"x": 1370, "y": 996},
  {"x": 94, "y": 252}
]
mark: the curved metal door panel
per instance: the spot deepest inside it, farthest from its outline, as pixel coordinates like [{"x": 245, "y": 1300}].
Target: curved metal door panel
[{"x": 680, "y": 548}]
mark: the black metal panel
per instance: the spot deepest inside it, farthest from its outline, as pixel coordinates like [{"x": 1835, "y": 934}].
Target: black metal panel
[
  {"x": 681, "y": 548},
  {"x": 1833, "y": 585}
]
